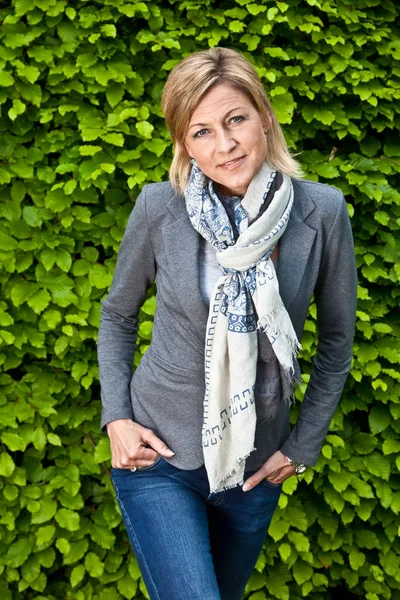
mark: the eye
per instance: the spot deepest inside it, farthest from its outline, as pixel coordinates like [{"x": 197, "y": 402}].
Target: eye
[
  {"x": 197, "y": 134},
  {"x": 238, "y": 118}
]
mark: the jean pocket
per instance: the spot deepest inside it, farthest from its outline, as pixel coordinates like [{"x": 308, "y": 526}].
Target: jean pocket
[
  {"x": 117, "y": 472},
  {"x": 271, "y": 485}
]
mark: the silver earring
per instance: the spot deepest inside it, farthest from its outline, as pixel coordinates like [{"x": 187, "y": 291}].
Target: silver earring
[{"x": 192, "y": 161}]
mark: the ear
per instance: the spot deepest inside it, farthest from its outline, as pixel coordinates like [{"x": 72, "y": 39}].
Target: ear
[
  {"x": 266, "y": 124},
  {"x": 187, "y": 149}
]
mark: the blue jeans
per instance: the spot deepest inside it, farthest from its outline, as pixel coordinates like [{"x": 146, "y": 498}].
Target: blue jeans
[{"x": 190, "y": 544}]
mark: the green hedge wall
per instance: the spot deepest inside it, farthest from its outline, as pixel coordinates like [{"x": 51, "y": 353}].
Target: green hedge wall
[{"x": 81, "y": 132}]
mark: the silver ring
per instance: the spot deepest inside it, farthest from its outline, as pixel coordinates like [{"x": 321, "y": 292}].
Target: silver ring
[{"x": 134, "y": 469}]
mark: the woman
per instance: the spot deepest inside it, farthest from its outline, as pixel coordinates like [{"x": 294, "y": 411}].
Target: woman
[{"x": 238, "y": 244}]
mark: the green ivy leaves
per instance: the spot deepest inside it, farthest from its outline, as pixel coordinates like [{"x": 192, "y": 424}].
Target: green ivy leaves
[{"x": 82, "y": 131}]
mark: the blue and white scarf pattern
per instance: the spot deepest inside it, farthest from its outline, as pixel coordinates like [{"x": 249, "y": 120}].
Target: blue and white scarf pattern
[{"x": 247, "y": 287}]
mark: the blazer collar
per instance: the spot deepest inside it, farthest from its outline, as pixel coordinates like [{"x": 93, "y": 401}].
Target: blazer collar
[{"x": 182, "y": 243}]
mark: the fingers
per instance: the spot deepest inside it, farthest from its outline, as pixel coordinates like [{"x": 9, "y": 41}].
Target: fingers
[
  {"x": 254, "y": 480},
  {"x": 277, "y": 476},
  {"x": 158, "y": 445},
  {"x": 142, "y": 457},
  {"x": 139, "y": 448}
]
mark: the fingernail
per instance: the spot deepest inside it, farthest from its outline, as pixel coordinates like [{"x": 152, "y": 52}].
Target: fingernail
[
  {"x": 246, "y": 487},
  {"x": 170, "y": 452}
]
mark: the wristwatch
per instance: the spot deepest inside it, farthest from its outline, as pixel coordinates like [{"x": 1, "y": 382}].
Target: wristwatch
[{"x": 299, "y": 467}]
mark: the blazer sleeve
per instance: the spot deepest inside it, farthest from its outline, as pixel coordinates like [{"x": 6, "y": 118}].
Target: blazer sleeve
[
  {"x": 134, "y": 273},
  {"x": 336, "y": 300}
]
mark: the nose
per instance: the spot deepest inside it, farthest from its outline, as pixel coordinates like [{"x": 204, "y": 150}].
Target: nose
[{"x": 224, "y": 142}]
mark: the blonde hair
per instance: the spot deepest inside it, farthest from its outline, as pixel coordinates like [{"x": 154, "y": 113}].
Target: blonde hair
[{"x": 184, "y": 88}]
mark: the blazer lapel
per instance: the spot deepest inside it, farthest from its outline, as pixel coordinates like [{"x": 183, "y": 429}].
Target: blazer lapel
[
  {"x": 295, "y": 245},
  {"x": 182, "y": 244}
]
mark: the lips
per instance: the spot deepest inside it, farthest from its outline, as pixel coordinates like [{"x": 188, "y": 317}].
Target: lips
[{"x": 231, "y": 164}]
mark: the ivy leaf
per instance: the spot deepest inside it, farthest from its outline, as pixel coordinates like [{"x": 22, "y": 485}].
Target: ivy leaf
[
  {"x": 145, "y": 129},
  {"x": 18, "y": 191},
  {"x": 114, "y": 94},
  {"x": 48, "y": 508},
  {"x": 6, "y": 79},
  {"x": 302, "y": 572},
  {"x": 89, "y": 150},
  {"x": 30, "y": 72},
  {"x": 364, "y": 443},
  {"x": 99, "y": 277},
  {"x": 77, "y": 574},
  {"x": 77, "y": 551},
  {"x": 52, "y": 318},
  {"x": 18, "y": 552},
  {"x": 39, "y": 439},
  {"x": 39, "y": 301},
  {"x": 284, "y": 105},
  {"x": 149, "y": 306},
  {"x": 48, "y": 258},
  {"x": 299, "y": 540},
  {"x": 68, "y": 519},
  {"x": 32, "y": 216},
  {"x": 93, "y": 565},
  {"x": 135, "y": 86},
  {"x": 102, "y": 452},
  {"x": 390, "y": 563},
  {"x": 156, "y": 145},
  {"x": 22, "y": 291},
  {"x": 102, "y": 536},
  {"x": 44, "y": 535},
  {"x": 133, "y": 569},
  {"x": 356, "y": 559},
  {"x": 379, "y": 418},
  {"x": 127, "y": 586},
  {"x": 363, "y": 489},
  {"x": 63, "y": 545},
  {"x": 285, "y": 551},
  {"x": 7, "y": 465},
  {"x": 7, "y": 242},
  {"x": 17, "y": 109},
  {"x": 82, "y": 213},
  {"x": 109, "y": 30},
  {"x": 251, "y": 41},
  {"x": 391, "y": 446},
  {"x": 278, "y": 529},
  {"x": 54, "y": 439},
  {"x": 63, "y": 260},
  {"x": 117, "y": 139},
  {"x": 276, "y": 586},
  {"x": 13, "y": 441},
  {"x": 378, "y": 465},
  {"x": 70, "y": 186},
  {"x": 367, "y": 539}
]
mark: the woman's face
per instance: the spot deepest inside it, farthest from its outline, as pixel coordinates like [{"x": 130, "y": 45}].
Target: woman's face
[{"x": 226, "y": 137}]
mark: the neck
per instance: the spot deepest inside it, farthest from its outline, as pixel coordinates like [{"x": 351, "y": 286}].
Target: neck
[{"x": 223, "y": 192}]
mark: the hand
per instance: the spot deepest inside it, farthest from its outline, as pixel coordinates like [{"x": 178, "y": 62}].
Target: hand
[
  {"x": 276, "y": 469},
  {"x": 129, "y": 441}
]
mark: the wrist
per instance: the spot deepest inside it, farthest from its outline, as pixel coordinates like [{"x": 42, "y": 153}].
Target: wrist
[
  {"x": 298, "y": 466},
  {"x": 114, "y": 423}
]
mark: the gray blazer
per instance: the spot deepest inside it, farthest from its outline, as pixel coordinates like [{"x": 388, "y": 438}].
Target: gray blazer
[{"x": 166, "y": 391}]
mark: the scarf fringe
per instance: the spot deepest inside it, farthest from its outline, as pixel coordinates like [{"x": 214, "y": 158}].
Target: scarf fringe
[
  {"x": 236, "y": 462},
  {"x": 266, "y": 320}
]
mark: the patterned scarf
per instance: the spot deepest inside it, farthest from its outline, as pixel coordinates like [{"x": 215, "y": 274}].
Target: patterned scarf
[{"x": 245, "y": 298}]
